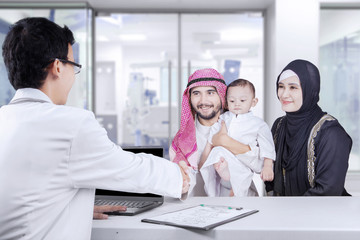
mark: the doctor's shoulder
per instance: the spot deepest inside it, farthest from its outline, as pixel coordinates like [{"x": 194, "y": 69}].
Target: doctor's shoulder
[{"x": 74, "y": 114}]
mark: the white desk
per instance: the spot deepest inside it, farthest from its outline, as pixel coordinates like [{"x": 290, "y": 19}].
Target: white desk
[{"x": 278, "y": 218}]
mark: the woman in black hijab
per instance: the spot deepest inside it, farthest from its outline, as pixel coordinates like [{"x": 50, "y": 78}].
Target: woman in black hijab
[{"x": 307, "y": 165}]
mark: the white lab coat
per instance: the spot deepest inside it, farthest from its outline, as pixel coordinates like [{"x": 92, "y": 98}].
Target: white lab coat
[{"x": 51, "y": 160}]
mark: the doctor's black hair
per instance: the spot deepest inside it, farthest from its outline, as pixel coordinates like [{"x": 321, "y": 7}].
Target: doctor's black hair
[{"x": 29, "y": 47}]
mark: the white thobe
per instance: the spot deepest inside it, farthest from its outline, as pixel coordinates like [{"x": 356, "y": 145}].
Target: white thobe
[{"x": 249, "y": 130}]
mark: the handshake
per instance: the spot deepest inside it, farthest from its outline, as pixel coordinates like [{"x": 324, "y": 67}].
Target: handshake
[{"x": 185, "y": 175}]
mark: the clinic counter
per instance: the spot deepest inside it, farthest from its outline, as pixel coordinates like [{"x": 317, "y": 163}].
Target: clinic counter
[{"x": 278, "y": 218}]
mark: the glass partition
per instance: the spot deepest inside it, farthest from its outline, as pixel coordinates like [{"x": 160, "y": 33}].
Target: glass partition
[
  {"x": 136, "y": 60},
  {"x": 233, "y": 44},
  {"x": 78, "y": 17},
  {"x": 339, "y": 64},
  {"x": 138, "y": 88}
]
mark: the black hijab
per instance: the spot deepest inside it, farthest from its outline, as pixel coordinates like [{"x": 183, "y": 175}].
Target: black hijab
[{"x": 294, "y": 131}]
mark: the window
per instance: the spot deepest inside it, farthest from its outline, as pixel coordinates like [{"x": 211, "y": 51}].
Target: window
[
  {"x": 143, "y": 62},
  {"x": 340, "y": 72},
  {"x": 78, "y": 18}
]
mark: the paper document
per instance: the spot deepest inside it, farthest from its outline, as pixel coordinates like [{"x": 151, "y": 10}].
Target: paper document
[{"x": 203, "y": 217}]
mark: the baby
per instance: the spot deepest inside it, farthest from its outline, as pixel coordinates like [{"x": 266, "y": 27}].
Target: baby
[{"x": 236, "y": 171}]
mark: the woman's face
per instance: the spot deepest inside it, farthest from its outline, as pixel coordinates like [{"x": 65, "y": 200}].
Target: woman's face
[{"x": 290, "y": 94}]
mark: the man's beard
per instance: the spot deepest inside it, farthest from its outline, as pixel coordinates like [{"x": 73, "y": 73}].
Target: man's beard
[{"x": 210, "y": 115}]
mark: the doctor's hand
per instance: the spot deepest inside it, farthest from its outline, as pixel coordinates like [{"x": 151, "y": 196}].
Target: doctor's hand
[
  {"x": 99, "y": 211},
  {"x": 186, "y": 179}
]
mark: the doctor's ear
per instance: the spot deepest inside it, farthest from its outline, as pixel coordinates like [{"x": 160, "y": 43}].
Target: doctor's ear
[{"x": 55, "y": 68}]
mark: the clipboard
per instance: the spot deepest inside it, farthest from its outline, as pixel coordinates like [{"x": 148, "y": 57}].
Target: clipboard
[{"x": 203, "y": 217}]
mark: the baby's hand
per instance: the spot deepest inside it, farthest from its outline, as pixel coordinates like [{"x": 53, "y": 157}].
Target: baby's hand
[
  {"x": 267, "y": 174},
  {"x": 231, "y": 193}
]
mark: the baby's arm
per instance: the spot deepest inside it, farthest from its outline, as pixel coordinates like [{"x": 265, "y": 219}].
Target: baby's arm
[
  {"x": 205, "y": 154},
  {"x": 267, "y": 152},
  {"x": 267, "y": 173}
]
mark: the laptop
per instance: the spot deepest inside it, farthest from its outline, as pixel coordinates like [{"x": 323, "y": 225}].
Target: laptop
[{"x": 135, "y": 202}]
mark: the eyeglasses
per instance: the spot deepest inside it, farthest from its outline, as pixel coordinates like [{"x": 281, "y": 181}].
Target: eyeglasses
[{"x": 77, "y": 67}]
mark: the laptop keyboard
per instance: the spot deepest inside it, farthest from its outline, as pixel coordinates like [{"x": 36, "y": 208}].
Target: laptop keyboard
[{"x": 129, "y": 204}]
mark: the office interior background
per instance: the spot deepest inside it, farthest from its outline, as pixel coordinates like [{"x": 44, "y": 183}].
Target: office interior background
[{"x": 137, "y": 56}]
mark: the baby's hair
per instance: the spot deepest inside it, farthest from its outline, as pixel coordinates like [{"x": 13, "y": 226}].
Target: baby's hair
[{"x": 241, "y": 83}]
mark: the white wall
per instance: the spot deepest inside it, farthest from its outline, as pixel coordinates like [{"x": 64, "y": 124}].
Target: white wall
[{"x": 292, "y": 32}]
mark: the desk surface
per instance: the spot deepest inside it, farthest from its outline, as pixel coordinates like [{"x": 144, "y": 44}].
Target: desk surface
[{"x": 278, "y": 218}]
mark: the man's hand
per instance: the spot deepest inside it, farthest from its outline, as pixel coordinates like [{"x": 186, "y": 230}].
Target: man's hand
[
  {"x": 186, "y": 179},
  {"x": 218, "y": 138},
  {"x": 99, "y": 211},
  {"x": 222, "y": 139}
]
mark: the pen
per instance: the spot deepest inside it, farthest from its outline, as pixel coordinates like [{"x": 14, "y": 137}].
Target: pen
[{"x": 228, "y": 207}]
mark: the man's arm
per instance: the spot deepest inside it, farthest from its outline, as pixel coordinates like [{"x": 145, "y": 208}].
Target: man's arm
[
  {"x": 205, "y": 154},
  {"x": 222, "y": 139}
]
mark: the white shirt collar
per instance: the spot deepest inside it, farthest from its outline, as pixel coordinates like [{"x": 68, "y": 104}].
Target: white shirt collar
[
  {"x": 201, "y": 128},
  {"x": 30, "y": 94},
  {"x": 241, "y": 116}
]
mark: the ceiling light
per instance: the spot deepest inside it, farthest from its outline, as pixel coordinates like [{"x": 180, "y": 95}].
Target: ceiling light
[
  {"x": 243, "y": 34},
  {"x": 132, "y": 37},
  {"x": 207, "y": 54},
  {"x": 101, "y": 38}
]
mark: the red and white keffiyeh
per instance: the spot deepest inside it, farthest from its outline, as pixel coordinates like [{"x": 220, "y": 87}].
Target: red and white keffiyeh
[{"x": 183, "y": 147}]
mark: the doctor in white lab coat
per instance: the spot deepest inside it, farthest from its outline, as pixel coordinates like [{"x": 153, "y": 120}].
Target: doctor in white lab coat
[{"x": 52, "y": 157}]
